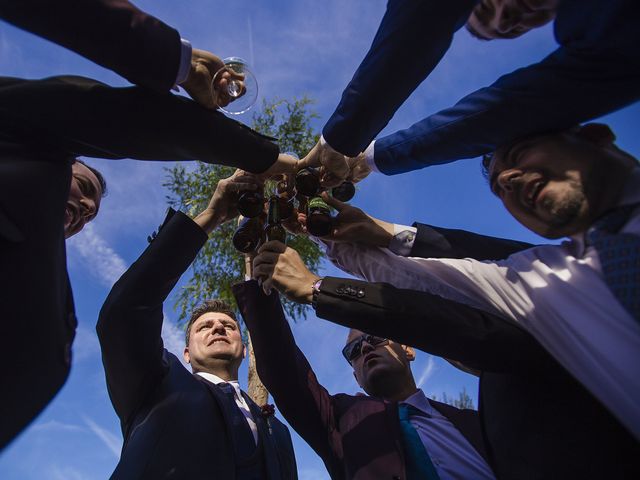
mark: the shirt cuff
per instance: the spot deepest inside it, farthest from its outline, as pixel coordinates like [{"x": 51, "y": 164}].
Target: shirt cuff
[
  {"x": 403, "y": 239},
  {"x": 368, "y": 157},
  {"x": 185, "y": 63}
]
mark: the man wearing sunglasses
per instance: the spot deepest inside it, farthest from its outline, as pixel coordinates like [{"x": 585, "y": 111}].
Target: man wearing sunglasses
[{"x": 392, "y": 432}]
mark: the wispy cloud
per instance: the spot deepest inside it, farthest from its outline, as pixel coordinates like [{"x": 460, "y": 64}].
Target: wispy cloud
[
  {"x": 428, "y": 370},
  {"x": 66, "y": 473},
  {"x": 102, "y": 261},
  {"x": 111, "y": 441},
  {"x": 55, "y": 425},
  {"x": 173, "y": 338}
]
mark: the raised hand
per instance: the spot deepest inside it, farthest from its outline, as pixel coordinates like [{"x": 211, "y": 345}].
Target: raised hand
[
  {"x": 280, "y": 267},
  {"x": 334, "y": 164},
  {"x": 223, "y": 204}
]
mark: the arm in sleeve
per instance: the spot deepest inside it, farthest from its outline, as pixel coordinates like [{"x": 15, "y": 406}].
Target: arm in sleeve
[
  {"x": 286, "y": 373},
  {"x": 80, "y": 116},
  {"x": 438, "y": 242},
  {"x": 111, "y": 33},
  {"x": 561, "y": 91},
  {"x": 131, "y": 318},
  {"x": 430, "y": 323},
  {"x": 410, "y": 41}
]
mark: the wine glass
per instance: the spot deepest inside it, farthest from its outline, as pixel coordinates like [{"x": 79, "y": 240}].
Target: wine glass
[{"x": 236, "y": 84}]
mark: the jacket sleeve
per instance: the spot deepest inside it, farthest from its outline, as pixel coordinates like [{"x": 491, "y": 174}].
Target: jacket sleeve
[
  {"x": 565, "y": 89},
  {"x": 430, "y": 323},
  {"x": 131, "y": 318},
  {"x": 80, "y": 116},
  {"x": 111, "y": 33},
  {"x": 411, "y": 39},
  {"x": 284, "y": 370},
  {"x": 438, "y": 242}
]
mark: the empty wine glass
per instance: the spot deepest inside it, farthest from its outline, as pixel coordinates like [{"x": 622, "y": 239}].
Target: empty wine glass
[{"x": 235, "y": 87}]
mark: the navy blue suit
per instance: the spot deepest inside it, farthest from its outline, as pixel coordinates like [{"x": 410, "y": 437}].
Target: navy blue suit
[
  {"x": 175, "y": 424},
  {"x": 596, "y": 70}
]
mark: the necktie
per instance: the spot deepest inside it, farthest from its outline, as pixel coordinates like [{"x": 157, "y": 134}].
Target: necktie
[
  {"x": 417, "y": 461},
  {"x": 241, "y": 435},
  {"x": 619, "y": 255}
]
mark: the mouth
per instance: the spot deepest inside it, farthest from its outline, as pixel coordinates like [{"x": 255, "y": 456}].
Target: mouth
[
  {"x": 71, "y": 216},
  {"x": 218, "y": 340},
  {"x": 531, "y": 192}
]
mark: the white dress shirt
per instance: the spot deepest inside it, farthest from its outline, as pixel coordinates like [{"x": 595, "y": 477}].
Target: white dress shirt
[
  {"x": 452, "y": 455},
  {"x": 556, "y": 292},
  {"x": 240, "y": 401}
]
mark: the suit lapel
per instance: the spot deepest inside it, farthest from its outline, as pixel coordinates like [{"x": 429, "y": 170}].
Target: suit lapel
[{"x": 266, "y": 439}]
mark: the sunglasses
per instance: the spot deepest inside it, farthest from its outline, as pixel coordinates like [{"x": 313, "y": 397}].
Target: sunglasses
[{"x": 353, "y": 349}]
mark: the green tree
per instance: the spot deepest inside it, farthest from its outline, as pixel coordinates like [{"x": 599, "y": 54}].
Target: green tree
[
  {"x": 463, "y": 400},
  {"x": 218, "y": 265}
]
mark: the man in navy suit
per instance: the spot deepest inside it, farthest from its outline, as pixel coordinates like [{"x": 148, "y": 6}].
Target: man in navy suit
[
  {"x": 179, "y": 424},
  {"x": 594, "y": 71}
]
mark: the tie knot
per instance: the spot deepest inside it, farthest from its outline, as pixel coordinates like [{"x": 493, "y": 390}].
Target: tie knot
[
  {"x": 227, "y": 388},
  {"x": 406, "y": 410}
]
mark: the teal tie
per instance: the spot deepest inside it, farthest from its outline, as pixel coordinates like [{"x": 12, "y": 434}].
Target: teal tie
[{"x": 417, "y": 461}]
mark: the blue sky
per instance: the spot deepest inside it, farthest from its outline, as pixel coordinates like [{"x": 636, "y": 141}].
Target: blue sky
[{"x": 296, "y": 47}]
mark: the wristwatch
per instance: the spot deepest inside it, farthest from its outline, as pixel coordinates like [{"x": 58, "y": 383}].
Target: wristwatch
[{"x": 315, "y": 291}]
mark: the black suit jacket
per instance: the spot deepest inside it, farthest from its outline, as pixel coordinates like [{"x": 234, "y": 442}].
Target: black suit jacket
[
  {"x": 357, "y": 437},
  {"x": 112, "y": 33},
  {"x": 538, "y": 421},
  {"x": 171, "y": 419},
  {"x": 44, "y": 125}
]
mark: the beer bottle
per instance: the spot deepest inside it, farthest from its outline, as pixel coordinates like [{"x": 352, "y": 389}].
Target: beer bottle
[
  {"x": 249, "y": 235},
  {"x": 273, "y": 229},
  {"x": 344, "y": 192},
  {"x": 285, "y": 198},
  {"x": 250, "y": 203},
  {"x": 308, "y": 182},
  {"x": 319, "y": 220}
]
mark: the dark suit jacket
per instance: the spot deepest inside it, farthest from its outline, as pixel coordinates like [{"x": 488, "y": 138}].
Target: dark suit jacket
[
  {"x": 112, "y": 33},
  {"x": 44, "y": 125},
  {"x": 171, "y": 419},
  {"x": 357, "y": 437},
  {"x": 538, "y": 421}
]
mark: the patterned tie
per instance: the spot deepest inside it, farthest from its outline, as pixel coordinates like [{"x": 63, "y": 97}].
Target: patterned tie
[
  {"x": 417, "y": 461},
  {"x": 619, "y": 255}
]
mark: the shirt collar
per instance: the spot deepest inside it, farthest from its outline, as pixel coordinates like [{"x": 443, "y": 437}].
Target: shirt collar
[
  {"x": 216, "y": 380},
  {"x": 420, "y": 401}
]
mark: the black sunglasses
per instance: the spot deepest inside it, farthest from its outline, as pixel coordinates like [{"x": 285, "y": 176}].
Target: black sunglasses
[{"x": 353, "y": 349}]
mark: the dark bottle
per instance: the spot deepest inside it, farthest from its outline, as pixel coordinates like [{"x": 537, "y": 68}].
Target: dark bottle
[
  {"x": 249, "y": 235},
  {"x": 273, "y": 229},
  {"x": 285, "y": 198},
  {"x": 250, "y": 204},
  {"x": 319, "y": 220},
  {"x": 308, "y": 182},
  {"x": 344, "y": 192}
]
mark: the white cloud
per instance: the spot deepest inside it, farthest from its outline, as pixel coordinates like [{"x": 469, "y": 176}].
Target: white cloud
[
  {"x": 86, "y": 344},
  {"x": 111, "y": 441},
  {"x": 427, "y": 372},
  {"x": 102, "y": 261},
  {"x": 55, "y": 425},
  {"x": 66, "y": 473},
  {"x": 173, "y": 339}
]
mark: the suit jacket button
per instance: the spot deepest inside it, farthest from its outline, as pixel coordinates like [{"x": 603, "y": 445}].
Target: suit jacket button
[
  {"x": 340, "y": 289},
  {"x": 360, "y": 293}
]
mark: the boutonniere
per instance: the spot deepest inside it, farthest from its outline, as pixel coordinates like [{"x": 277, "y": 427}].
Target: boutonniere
[{"x": 268, "y": 411}]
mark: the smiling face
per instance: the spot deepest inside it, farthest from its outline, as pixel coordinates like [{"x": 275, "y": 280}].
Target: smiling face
[
  {"x": 492, "y": 19},
  {"x": 556, "y": 185},
  {"x": 381, "y": 369},
  {"x": 215, "y": 342},
  {"x": 83, "y": 201}
]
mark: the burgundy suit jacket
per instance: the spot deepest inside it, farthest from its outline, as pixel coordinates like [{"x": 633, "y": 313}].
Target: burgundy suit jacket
[
  {"x": 357, "y": 437},
  {"x": 111, "y": 33}
]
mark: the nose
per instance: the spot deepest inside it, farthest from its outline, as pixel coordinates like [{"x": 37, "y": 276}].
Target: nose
[
  {"x": 218, "y": 327},
  {"x": 90, "y": 208},
  {"x": 366, "y": 347},
  {"x": 506, "y": 179}
]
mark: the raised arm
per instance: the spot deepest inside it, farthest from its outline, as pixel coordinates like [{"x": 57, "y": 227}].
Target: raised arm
[
  {"x": 284, "y": 370},
  {"x": 112, "y": 33},
  {"x": 80, "y": 116}
]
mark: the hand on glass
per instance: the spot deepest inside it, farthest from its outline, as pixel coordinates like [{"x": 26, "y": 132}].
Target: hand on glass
[
  {"x": 223, "y": 204},
  {"x": 358, "y": 168},
  {"x": 354, "y": 226},
  {"x": 280, "y": 267},
  {"x": 204, "y": 66},
  {"x": 285, "y": 164},
  {"x": 334, "y": 164}
]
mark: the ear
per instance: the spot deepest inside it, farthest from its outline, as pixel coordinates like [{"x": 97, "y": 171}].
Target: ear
[
  {"x": 185, "y": 355},
  {"x": 409, "y": 352},
  {"x": 597, "y": 133}
]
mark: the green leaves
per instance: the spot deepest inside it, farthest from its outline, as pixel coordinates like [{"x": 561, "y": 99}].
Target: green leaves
[{"x": 218, "y": 265}]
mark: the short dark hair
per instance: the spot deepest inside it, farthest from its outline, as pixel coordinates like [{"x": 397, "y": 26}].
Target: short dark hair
[
  {"x": 486, "y": 163},
  {"x": 99, "y": 176},
  {"x": 216, "y": 305}
]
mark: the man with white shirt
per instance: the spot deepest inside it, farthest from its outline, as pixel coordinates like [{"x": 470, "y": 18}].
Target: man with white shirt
[
  {"x": 575, "y": 183},
  {"x": 393, "y": 432},
  {"x": 178, "y": 424}
]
